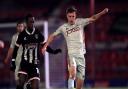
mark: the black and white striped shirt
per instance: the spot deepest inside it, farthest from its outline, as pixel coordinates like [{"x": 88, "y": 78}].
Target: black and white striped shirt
[{"x": 30, "y": 43}]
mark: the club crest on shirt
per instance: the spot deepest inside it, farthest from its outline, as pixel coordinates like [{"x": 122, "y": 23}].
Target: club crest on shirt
[
  {"x": 25, "y": 38},
  {"x": 36, "y": 36}
]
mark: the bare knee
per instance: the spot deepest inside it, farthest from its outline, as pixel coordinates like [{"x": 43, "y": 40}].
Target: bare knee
[{"x": 72, "y": 72}]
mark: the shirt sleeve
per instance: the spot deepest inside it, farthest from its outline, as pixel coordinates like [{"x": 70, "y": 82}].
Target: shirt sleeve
[
  {"x": 13, "y": 41},
  {"x": 84, "y": 21},
  {"x": 58, "y": 31}
]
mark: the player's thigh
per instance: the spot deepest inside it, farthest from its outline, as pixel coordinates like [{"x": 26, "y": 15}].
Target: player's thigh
[{"x": 72, "y": 65}]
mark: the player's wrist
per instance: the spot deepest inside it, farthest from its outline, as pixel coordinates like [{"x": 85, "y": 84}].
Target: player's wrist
[{"x": 45, "y": 47}]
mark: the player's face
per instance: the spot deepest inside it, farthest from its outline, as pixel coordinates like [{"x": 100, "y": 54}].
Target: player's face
[
  {"x": 71, "y": 17},
  {"x": 20, "y": 27},
  {"x": 30, "y": 23}
]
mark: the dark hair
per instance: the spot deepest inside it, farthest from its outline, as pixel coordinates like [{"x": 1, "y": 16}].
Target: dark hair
[
  {"x": 28, "y": 16},
  {"x": 71, "y": 9},
  {"x": 20, "y": 22}
]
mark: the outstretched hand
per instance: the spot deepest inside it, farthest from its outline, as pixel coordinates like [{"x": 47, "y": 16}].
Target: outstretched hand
[{"x": 106, "y": 10}]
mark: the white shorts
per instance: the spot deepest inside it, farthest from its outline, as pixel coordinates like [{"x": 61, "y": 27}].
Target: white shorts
[{"x": 79, "y": 62}]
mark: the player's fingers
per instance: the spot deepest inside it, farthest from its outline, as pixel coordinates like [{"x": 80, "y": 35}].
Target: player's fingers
[{"x": 106, "y": 10}]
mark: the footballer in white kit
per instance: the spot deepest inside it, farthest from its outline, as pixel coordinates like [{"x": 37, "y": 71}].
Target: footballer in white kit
[
  {"x": 75, "y": 43},
  {"x": 73, "y": 33}
]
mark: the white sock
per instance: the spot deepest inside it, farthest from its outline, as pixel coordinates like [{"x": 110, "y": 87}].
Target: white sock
[{"x": 70, "y": 83}]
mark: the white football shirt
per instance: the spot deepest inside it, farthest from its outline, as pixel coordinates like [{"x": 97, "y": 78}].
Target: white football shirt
[{"x": 74, "y": 35}]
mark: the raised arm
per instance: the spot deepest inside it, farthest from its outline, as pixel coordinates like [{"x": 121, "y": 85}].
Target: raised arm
[{"x": 98, "y": 15}]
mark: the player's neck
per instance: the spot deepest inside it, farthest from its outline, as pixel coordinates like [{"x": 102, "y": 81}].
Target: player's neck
[
  {"x": 30, "y": 29},
  {"x": 71, "y": 23}
]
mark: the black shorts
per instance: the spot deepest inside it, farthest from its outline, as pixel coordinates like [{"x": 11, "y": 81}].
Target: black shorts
[{"x": 29, "y": 69}]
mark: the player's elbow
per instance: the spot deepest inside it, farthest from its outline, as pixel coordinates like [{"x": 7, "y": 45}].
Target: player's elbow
[{"x": 93, "y": 18}]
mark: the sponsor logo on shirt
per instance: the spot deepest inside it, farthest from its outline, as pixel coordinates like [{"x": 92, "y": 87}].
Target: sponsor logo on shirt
[{"x": 69, "y": 31}]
